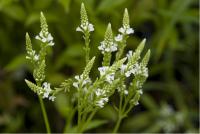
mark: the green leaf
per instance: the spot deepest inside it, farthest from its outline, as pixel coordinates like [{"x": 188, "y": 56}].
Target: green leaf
[
  {"x": 16, "y": 63},
  {"x": 95, "y": 124},
  {"x": 65, "y": 4},
  {"x": 62, "y": 105},
  {"x": 16, "y": 12}
]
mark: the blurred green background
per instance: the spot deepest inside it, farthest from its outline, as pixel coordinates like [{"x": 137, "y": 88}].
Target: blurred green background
[{"x": 170, "y": 102}]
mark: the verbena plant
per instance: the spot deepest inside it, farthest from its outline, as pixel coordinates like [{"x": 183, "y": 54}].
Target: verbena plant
[{"x": 125, "y": 75}]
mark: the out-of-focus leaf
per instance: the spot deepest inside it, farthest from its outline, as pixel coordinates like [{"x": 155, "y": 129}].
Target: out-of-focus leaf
[
  {"x": 137, "y": 122},
  {"x": 65, "y": 4},
  {"x": 16, "y": 63},
  {"x": 32, "y": 18},
  {"x": 15, "y": 12},
  {"x": 108, "y": 112},
  {"x": 95, "y": 124},
  {"x": 62, "y": 105},
  {"x": 106, "y": 5}
]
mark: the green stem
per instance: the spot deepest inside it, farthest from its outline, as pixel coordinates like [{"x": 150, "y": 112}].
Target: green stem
[
  {"x": 88, "y": 120},
  {"x": 117, "y": 124},
  {"x": 44, "y": 115},
  {"x": 106, "y": 59},
  {"x": 87, "y": 49}
]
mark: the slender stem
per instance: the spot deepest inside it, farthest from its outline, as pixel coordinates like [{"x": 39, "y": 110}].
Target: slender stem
[
  {"x": 44, "y": 115},
  {"x": 88, "y": 120},
  {"x": 87, "y": 49},
  {"x": 69, "y": 119},
  {"x": 117, "y": 124}
]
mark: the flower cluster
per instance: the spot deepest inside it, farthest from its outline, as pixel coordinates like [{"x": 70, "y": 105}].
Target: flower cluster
[
  {"x": 101, "y": 97},
  {"x": 109, "y": 76},
  {"x": 47, "y": 91},
  {"x": 112, "y": 47},
  {"x": 45, "y": 38},
  {"x": 85, "y": 25},
  {"x": 122, "y": 89},
  {"x": 44, "y": 35},
  {"x": 108, "y": 45},
  {"x": 135, "y": 69},
  {"x": 125, "y": 29},
  {"x": 32, "y": 55},
  {"x": 81, "y": 82}
]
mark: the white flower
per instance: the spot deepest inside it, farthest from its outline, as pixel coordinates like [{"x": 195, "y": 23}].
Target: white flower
[
  {"x": 119, "y": 37},
  {"x": 129, "y": 31},
  {"x": 90, "y": 27},
  {"x": 122, "y": 30},
  {"x": 45, "y": 38},
  {"x": 78, "y": 29},
  {"x": 140, "y": 91},
  {"x": 123, "y": 67},
  {"x": 85, "y": 27},
  {"x": 75, "y": 84},
  {"x": 137, "y": 103},
  {"x": 52, "y": 98},
  {"x": 128, "y": 73},
  {"x": 101, "y": 102},
  {"x": 81, "y": 81},
  {"x": 125, "y": 92},
  {"x": 126, "y": 30},
  {"x": 47, "y": 89},
  {"x": 112, "y": 47},
  {"x": 103, "y": 70},
  {"x": 110, "y": 77},
  {"x": 129, "y": 54},
  {"x": 100, "y": 92},
  {"x": 36, "y": 57}
]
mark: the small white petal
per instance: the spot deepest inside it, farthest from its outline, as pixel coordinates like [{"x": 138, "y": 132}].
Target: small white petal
[
  {"x": 44, "y": 40},
  {"x": 118, "y": 37},
  {"x": 75, "y": 84},
  {"x": 77, "y": 77},
  {"x": 125, "y": 92},
  {"x": 52, "y": 98},
  {"x": 79, "y": 29},
  {"x": 129, "y": 31},
  {"x": 122, "y": 30},
  {"x": 49, "y": 38},
  {"x": 140, "y": 91},
  {"x": 37, "y": 37},
  {"x": 90, "y": 27},
  {"x": 36, "y": 57}
]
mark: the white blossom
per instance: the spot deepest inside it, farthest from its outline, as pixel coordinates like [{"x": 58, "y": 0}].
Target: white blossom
[
  {"x": 129, "y": 54},
  {"x": 123, "y": 68},
  {"x": 85, "y": 27},
  {"x": 126, "y": 30},
  {"x": 81, "y": 81},
  {"x": 140, "y": 91},
  {"x": 103, "y": 70},
  {"x": 45, "y": 38},
  {"x": 102, "y": 102},
  {"x": 112, "y": 47},
  {"x": 52, "y": 98},
  {"x": 100, "y": 92},
  {"x": 110, "y": 78},
  {"x": 47, "y": 89},
  {"x": 36, "y": 57},
  {"x": 119, "y": 37}
]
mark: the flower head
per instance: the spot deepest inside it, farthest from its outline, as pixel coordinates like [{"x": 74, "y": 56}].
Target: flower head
[{"x": 85, "y": 25}]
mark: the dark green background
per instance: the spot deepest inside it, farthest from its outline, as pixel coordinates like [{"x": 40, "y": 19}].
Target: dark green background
[{"x": 171, "y": 28}]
